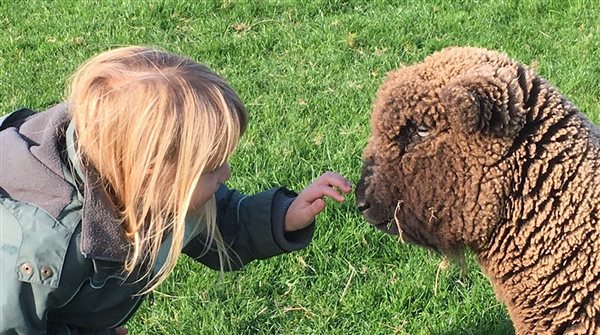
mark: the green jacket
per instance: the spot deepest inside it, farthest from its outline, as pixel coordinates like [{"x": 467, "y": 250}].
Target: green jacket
[{"x": 60, "y": 250}]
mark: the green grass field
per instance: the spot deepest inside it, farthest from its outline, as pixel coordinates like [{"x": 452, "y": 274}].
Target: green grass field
[{"x": 308, "y": 72}]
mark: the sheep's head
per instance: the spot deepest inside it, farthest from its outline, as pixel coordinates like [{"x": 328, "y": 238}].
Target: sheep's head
[{"x": 435, "y": 168}]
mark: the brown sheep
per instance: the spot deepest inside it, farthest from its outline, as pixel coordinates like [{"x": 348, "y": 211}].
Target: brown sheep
[{"x": 470, "y": 149}]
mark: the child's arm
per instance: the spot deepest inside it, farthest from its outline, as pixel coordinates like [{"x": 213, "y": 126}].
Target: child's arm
[{"x": 268, "y": 223}]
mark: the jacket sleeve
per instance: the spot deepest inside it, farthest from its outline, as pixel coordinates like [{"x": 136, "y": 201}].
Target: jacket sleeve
[{"x": 252, "y": 227}]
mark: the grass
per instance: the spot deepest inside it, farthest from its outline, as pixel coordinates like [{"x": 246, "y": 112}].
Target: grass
[{"x": 308, "y": 72}]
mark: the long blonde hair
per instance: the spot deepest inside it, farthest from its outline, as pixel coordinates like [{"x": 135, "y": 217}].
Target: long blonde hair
[{"x": 151, "y": 123}]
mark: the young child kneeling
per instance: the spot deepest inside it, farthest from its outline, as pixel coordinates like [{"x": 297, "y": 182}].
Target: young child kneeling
[{"x": 100, "y": 195}]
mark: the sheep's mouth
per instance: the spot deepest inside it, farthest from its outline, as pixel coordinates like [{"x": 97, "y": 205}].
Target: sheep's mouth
[
  {"x": 406, "y": 225},
  {"x": 388, "y": 226},
  {"x": 392, "y": 227}
]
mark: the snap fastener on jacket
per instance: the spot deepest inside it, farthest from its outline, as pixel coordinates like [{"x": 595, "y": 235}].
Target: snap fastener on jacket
[
  {"x": 46, "y": 272},
  {"x": 26, "y": 268}
]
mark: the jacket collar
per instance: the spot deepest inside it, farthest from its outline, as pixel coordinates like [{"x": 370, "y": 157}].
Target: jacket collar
[{"x": 102, "y": 236}]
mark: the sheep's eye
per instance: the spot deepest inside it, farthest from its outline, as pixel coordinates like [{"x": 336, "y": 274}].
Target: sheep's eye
[{"x": 422, "y": 131}]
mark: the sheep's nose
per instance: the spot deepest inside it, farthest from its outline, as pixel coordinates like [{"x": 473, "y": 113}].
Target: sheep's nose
[{"x": 362, "y": 205}]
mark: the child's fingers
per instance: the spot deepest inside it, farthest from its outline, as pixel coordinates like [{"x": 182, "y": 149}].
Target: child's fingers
[
  {"x": 334, "y": 179},
  {"x": 316, "y": 191}
]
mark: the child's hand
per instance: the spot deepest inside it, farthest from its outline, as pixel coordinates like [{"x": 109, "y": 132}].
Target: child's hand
[{"x": 310, "y": 201}]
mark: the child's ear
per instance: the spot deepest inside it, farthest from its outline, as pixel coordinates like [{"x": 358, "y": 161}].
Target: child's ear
[{"x": 487, "y": 100}]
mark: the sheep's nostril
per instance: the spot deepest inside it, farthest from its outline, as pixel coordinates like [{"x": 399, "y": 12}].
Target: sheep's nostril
[{"x": 363, "y": 206}]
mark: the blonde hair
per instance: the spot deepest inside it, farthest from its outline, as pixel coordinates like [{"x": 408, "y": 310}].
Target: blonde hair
[{"x": 144, "y": 116}]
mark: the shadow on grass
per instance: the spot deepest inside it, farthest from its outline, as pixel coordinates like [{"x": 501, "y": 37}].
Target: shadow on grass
[{"x": 497, "y": 325}]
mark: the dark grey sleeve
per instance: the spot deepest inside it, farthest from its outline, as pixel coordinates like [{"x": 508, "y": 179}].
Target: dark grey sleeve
[{"x": 252, "y": 227}]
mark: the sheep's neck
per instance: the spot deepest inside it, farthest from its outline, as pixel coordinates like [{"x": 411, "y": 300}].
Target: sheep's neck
[{"x": 543, "y": 256}]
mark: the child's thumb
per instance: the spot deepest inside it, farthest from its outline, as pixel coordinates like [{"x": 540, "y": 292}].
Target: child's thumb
[{"x": 317, "y": 206}]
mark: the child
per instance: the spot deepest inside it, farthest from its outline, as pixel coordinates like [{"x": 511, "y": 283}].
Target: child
[{"x": 99, "y": 195}]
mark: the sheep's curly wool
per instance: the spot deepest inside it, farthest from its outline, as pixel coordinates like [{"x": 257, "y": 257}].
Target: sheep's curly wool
[{"x": 471, "y": 149}]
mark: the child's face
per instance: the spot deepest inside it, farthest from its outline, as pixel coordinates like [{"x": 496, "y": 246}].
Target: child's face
[{"x": 208, "y": 184}]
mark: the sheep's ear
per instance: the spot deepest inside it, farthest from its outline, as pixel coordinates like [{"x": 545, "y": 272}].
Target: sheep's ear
[{"x": 487, "y": 100}]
